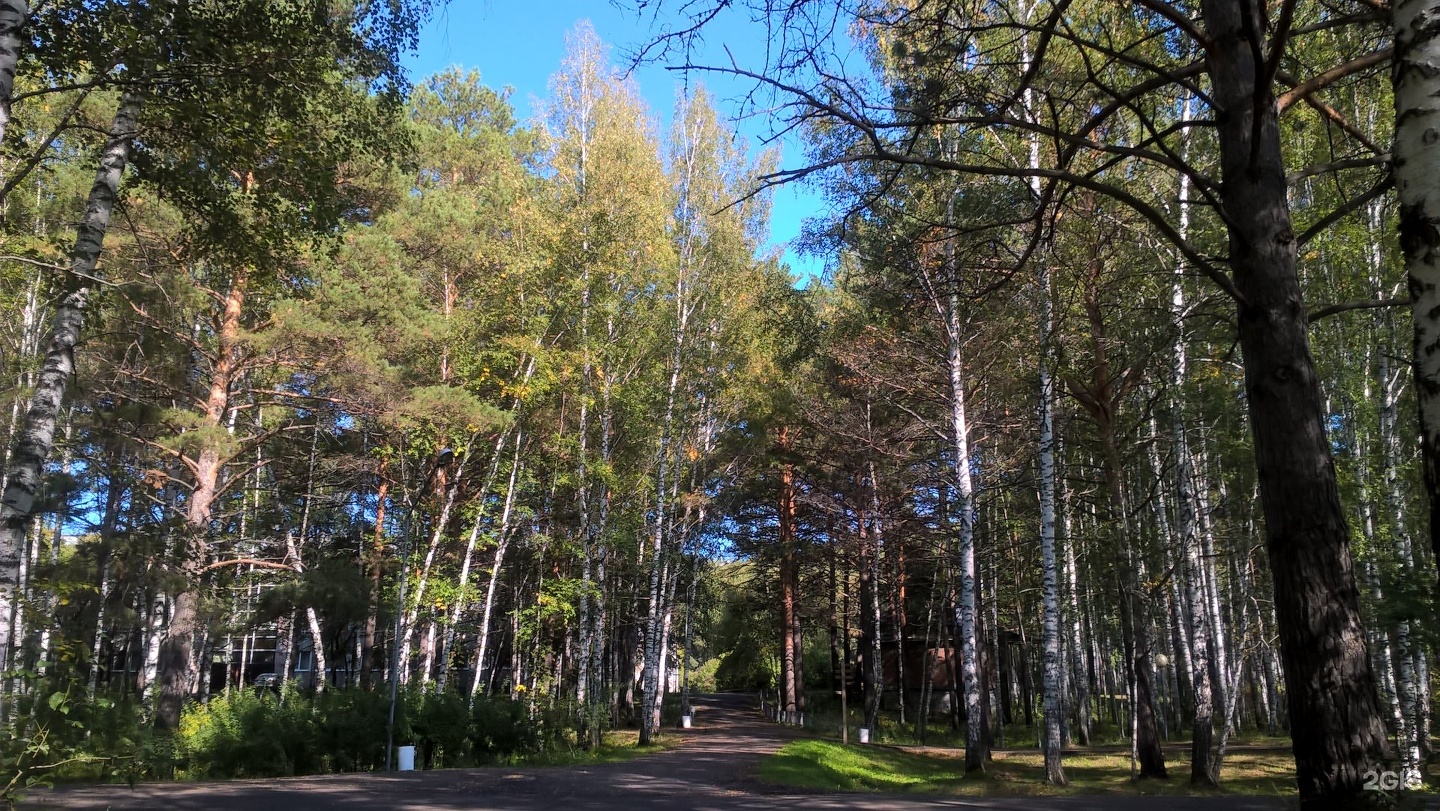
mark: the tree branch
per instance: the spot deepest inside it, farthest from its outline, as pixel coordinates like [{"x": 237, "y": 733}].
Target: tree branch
[
  {"x": 256, "y": 562},
  {"x": 1345, "y": 209},
  {"x": 1332, "y": 76},
  {"x": 1336, "y": 166},
  {"x": 1362, "y": 304}
]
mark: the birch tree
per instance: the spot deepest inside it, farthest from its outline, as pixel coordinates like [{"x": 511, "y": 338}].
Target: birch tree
[
  {"x": 1416, "y": 29},
  {"x": 1337, "y": 733}
]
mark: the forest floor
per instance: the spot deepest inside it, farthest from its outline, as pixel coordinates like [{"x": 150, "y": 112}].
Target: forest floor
[{"x": 715, "y": 766}]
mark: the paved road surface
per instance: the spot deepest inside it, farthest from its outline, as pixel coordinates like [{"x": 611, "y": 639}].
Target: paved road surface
[{"x": 713, "y": 769}]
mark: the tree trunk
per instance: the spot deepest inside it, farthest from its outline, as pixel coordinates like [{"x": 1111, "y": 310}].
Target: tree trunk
[
  {"x": 13, "y": 16},
  {"x": 651, "y": 695},
  {"x": 865, "y": 672},
  {"x": 178, "y": 667},
  {"x": 975, "y": 749},
  {"x": 37, "y": 434},
  {"x": 1335, "y": 720},
  {"x": 1054, "y": 665},
  {"x": 1416, "y": 79},
  {"x": 789, "y": 587},
  {"x": 459, "y": 604},
  {"x": 1102, "y": 398},
  {"x": 150, "y": 657},
  {"x": 374, "y": 563},
  {"x": 1405, "y": 647},
  {"x": 1083, "y": 675},
  {"x": 502, "y": 541},
  {"x": 875, "y": 651},
  {"x": 452, "y": 489},
  {"x": 1186, "y": 536}
]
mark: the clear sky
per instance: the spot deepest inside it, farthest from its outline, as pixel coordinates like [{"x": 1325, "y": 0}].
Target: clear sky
[{"x": 519, "y": 43}]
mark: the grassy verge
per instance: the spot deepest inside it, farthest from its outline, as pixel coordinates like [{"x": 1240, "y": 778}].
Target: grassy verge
[
  {"x": 830, "y": 765},
  {"x": 615, "y": 747},
  {"x": 826, "y": 764}
]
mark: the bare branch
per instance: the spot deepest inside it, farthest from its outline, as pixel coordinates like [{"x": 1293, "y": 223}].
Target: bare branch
[
  {"x": 256, "y": 562},
  {"x": 1347, "y": 208},
  {"x": 1362, "y": 304},
  {"x": 36, "y": 262},
  {"x": 1331, "y": 76},
  {"x": 1337, "y": 166}
]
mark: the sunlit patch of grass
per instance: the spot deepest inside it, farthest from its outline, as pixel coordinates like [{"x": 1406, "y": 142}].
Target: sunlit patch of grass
[
  {"x": 615, "y": 746},
  {"x": 830, "y": 765},
  {"x": 825, "y": 764}
]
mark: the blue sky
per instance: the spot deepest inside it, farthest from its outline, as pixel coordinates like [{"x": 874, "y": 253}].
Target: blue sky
[{"x": 520, "y": 44}]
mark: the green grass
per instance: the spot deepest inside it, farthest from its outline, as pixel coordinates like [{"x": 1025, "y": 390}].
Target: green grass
[
  {"x": 615, "y": 747},
  {"x": 827, "y": 764}
]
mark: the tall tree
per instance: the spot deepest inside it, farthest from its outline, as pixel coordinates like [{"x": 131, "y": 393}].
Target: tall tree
[
  {"x": 1337, "y": 731},
  {"x": 1416, "y": 28}
]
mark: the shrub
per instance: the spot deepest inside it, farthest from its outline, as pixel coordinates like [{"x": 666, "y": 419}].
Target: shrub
[
  {"x": 442, "y": 730},
  {"x": 500, "y": 728},
  {"x": 242, "y": 734},
  {"x": 350, "y": 729}
]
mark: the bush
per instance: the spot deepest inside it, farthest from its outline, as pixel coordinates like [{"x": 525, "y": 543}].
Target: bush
[
  {"x": 500, "y": 728},
  {"x": 242, "y": 734},
  {"x": 62, "y": 735},
  {"x": 441, "y": 730},
  {"x": 58, "y": 732},
  {"x": 702, "y": 678},
  {"x": 350, "y": 729}
]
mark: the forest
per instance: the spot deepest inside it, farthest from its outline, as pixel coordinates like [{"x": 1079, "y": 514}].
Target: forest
[{"x": 330, "y": 390}]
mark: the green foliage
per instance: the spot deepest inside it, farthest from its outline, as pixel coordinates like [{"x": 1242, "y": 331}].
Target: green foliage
[
  {"x": 249, "y": 734},
  {"x": 704, "y": 676},
  {"x": 57, "y": 733},
  {"x": 501, "y": 727},
  {"x": 750, "y": 649}
]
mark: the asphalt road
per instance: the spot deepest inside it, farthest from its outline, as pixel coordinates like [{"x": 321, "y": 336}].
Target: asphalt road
[{"x": 712, "y": 769}]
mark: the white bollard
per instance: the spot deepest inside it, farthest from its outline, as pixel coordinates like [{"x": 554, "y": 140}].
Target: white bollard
[
  {"x": 684, "y": 722},
  {"x": 407, "y": 759},
  {"x": 864, "y": 734}
]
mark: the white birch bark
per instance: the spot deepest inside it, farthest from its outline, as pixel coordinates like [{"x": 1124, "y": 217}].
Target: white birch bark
[
  {"x": 462, "y": 602},
  {"x": 13, "y": 16},
  {"x": 284, "y": 662},
  {"x": 650, "y": 696},
  {"x": 1207, "y": 581},
  {"x": 1050, "y": 621},
  {"x": 1080, "y": 649},
  {"x": 317, "y": 639},
  {"x": 28, "y": 347},
  {"x": 874, "y": 656},
  {"x": 293, "y": 557},
  {"x": 1416, "y": 166},
  {"x": 1405, "y": 647},
  {"x": 502, "y": 540},
  {"x": 1231, "y": 678},
  {"x": 965, "y": 551},
  {"x": 37, "y": 434},
  {"x": 155, "y": 623},
  {"x": 436, "y": 536}
]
